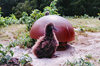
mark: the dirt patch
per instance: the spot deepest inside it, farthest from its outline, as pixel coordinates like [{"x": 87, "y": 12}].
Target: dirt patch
[
  {"x": 81, "y": 47},
  {"x": 10, "y": 33}
]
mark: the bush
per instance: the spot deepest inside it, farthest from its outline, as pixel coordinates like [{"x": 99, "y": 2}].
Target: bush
[
  {"x": 6, "y": 58},
  {"x": 4, "y": 21},
  {"x": 36, "y": 14},
  {"x": 11, "y": 20},
  {"x": 98, "y": 15},
  {"x": 23, "y": 40},
  {"x": 79, "y": 62},
  {"x": 52, "y": 8},
  {"x": 4, "y": 54},
  {"x": 25, "y": 59}
]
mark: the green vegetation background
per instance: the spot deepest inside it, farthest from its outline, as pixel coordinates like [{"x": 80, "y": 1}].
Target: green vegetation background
[
  {"x": 26, "y": 12},
  {"x": 65, "y": 7}
]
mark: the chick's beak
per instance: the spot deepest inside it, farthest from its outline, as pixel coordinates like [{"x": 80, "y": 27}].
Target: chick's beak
[{"x": 54, "y": 28}]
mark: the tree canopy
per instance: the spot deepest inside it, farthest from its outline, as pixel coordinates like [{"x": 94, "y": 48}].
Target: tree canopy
[{"x": 65, "y": 7}]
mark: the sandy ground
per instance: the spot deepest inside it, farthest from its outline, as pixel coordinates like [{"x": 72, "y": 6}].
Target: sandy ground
[{"x": 82, "y": 46}]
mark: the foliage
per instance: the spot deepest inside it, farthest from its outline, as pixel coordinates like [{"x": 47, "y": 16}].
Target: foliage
[
  {"x": 5, "y": 54},
  {"x": 85, "y": 16},
  {"x": 98, "y": 15},
  {"x": 11, "y": 20},
  {"x": 4, "y": 21},
  {"x": 52, "y": 8},
  {"x": 80, "y": 62},
  {"x": 22, "y": 7},
  {"x": 25, "y": 19},
  {"x": 7, "y": 6},
  {"x": 0, "y": 9},
  {"x": 99, "y": 61},
  {"x": 85, "y": 24},
  {"x": 78, "y": 7},
  {"x": 29, "y": 5},
  {"x": 23, "y": 40},
  {"x": 90, "y": 29},
  {"x": 65, "y": 7},
  {"x": 88, "y": 56},
  {"x": 25, "y": 59},
  {"x": 36, "y": 14}
]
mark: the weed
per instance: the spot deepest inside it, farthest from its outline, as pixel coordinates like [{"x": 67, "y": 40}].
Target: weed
[
  {"x": 36, "y": 14},
  {"x": 79, "y": 62},
  {"x": 88, "y": 56},
  {"x": 90, "y": 24},
  {"x": 24, "y": 41},
  {"x": 5, "y": 54},
  {"x": 25, "y": 59},
  {"x": 99, "y": 61}
]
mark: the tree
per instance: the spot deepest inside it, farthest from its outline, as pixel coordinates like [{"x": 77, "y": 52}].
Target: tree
[
  {"x": 78, "y": 7},
  {"x": 29, "y": 5},
  {"x": 22, "y": 7},
  {"x": 65, "y": 7},
  {"x": 7, "y": 6}
]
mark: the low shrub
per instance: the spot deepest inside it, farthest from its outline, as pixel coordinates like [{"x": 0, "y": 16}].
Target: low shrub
[
  {"x": 5, "y": 54},
  {"x": 79, "y": 62},
  {"x": 23, "y": 40},
  {"x": 25, "y": 60}
]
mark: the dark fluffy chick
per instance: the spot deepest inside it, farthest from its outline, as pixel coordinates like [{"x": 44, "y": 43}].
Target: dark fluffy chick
[{"x": 46, "y": 45}]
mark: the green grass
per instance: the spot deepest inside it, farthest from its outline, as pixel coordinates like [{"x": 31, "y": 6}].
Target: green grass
[
  {"x": 89, "y": 24},
  {"x": 78, "y": 62},
  {"x": 89, "y": 56},
  {"x": 17, "y": 35},
  {"x": 12, "y": 31},
  {"x": 88, "y": 60}
]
